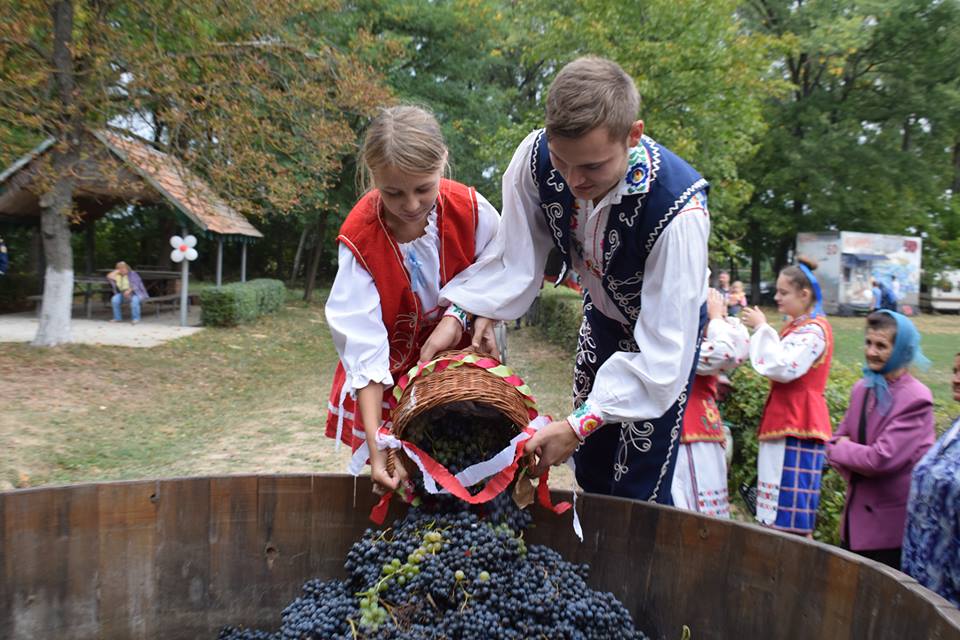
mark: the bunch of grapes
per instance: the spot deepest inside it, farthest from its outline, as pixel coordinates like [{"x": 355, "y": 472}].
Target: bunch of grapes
[{"x": 442, "y": 572}]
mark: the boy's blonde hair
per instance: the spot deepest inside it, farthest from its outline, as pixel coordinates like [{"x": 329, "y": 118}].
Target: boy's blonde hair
[
  {"x": 592, "y": 92},
  {"x": 406, "y": 137}
]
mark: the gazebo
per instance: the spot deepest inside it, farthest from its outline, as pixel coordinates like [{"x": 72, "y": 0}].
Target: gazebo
[{"x": 119, "y": 168}]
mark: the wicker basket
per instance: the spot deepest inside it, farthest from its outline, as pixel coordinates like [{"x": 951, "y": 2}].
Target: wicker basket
[{"x": 465, "y": 389}]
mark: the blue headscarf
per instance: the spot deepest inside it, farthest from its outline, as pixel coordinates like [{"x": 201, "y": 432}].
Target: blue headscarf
[
  {"x": 906, "y": 351},
  {"x": 817, "y": 293}
]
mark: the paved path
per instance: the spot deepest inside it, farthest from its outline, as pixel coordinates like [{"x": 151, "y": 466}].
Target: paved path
[{"x": 150, "y": 332}]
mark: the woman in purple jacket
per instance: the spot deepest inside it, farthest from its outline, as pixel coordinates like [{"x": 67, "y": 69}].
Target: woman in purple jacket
[{"x": 888, "y": 427}]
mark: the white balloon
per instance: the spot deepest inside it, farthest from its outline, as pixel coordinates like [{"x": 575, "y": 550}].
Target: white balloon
[
  {"x": 191, "y": 254},
  {"x": 176, "y": 241},
  {"x": 176, "y": 255},
  {"x": 190, "y": 241}
]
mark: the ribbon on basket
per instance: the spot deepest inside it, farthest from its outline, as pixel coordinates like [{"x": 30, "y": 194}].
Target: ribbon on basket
[{"x": 498, "y": 471}]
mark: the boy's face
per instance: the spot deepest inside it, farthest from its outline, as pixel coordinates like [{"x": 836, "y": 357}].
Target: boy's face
[{"x": 593, "y": 164}]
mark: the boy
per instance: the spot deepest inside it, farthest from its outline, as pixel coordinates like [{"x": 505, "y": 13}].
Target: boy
[{"x": 631, "y": 218}]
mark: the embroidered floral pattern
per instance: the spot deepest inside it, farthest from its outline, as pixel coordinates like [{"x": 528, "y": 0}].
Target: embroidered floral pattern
[
  {"x": 584, "y": 420},
  {"x": 638, "y": 170}
]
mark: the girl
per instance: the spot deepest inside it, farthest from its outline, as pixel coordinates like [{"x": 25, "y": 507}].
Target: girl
[
  {"x": 700, "y": 479},
  {"x": 796, "y": 422},
  {"x": 736, "y": 299},
  {"x": 412, "y": 233}
]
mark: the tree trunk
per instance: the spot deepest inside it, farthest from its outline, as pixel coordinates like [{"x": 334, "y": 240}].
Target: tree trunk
[
  {"x": 311, "y": 280},
  {"x": 298, "y": 255},
  {"x": 755, "y": 268},
  {"x": 311, "y": 277},
  {"x": 57, "y": 203}
]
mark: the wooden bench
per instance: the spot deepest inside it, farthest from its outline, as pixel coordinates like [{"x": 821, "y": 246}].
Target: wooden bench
[{"x": 172, "y": 299}]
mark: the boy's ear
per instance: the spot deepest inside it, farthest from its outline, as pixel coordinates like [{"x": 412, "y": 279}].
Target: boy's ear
[{"x": 636, "y": 132}]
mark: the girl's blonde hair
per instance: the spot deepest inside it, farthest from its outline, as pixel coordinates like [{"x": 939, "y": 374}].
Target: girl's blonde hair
[
  {"x": 737, "y": 285},
  {"x": 406, "y": 137}
]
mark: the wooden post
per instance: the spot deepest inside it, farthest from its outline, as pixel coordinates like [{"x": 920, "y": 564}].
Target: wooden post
[
  {"x": 219, "y": 261},
  {"x": 184, "y": 283},
  {"x": 243, "y": 262},
  {"x": 89, "y": 238}
]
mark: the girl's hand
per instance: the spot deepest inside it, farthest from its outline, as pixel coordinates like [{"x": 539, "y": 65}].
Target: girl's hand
[
  {"x": 446, "y": 335},
  {"x": 383, "y": 480},
  {"x": 753, "y": 317},
  {"x": 716, "y": 305}
]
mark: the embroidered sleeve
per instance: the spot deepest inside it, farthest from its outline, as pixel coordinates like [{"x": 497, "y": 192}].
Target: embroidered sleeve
[
  {"x": 725, "y": 347},
  {"x": 356, "y": 325},
  {"x": 585, "y": 420},
  {"x": 505, "y": 278},
  {"x": 458, "y": 313},
  {"x": 787, "y": 359}
]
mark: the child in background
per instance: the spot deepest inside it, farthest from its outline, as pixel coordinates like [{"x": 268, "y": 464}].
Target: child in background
[
  {"x": 796, "y": 423},
  {"x": 412, "y": 233},
  {"x": 700, "y": 480},
  {"x": 736, "y": 299}
]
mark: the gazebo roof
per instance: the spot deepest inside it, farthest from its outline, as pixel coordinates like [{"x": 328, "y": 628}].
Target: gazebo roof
[{"x": 124, "y": 169}]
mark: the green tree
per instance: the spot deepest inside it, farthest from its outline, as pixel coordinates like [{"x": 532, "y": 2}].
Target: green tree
[
  {"x": 236, "y": 89},
  {"x": 702, "y": 80},
  {"x": 863, "y": 140}
]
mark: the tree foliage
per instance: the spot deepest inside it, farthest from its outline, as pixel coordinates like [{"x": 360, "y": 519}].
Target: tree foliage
[{"x": 866, "y": 138}]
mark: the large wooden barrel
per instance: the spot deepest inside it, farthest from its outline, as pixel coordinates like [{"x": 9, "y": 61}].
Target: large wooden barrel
[{"x": 178, "y": 559}]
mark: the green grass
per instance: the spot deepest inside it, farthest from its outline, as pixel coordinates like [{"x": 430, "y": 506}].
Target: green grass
[
  {"x": 242, "y": 399},
  {"x": 253, "y": 398}
]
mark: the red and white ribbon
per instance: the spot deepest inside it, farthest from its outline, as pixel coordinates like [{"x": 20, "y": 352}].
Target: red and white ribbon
[{"x": 498, "y": 471}]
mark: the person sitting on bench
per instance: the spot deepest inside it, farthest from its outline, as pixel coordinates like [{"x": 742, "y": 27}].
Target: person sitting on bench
[{"x": 127, "y": 286}]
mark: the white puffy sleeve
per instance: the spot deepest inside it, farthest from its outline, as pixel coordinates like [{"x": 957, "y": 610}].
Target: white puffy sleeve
[
  {"x": 356, "y": 323},
  {"x": 505, "y": 279},
  {"x": 643, "y": 385},
  {"x": 787, "y": 359},
  {"x": 725, "y": 347}
]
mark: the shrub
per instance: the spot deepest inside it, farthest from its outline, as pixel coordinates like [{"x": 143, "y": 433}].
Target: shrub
[
  {"x": 239, "y": 302},
  {"x": 560, "y": 314}
]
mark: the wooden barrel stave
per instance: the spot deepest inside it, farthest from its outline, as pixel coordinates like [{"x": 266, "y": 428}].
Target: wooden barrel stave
[{"x": 180, "y": 558}]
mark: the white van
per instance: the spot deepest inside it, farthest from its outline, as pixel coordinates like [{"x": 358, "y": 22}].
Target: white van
[{"x": 947, "y": 298}]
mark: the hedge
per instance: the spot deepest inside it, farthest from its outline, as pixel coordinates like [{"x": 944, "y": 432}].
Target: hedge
[
  {"x": 240, "y": 302},
  {"x": 560, "y": 315}
]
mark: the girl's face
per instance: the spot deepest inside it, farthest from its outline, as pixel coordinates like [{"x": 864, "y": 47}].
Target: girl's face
[
  {"x": 878, "y": 347},
  {"x": 407, "y": 197},
  {"x": 792, "y": 300},
  {"x": 956, "y": 378}
]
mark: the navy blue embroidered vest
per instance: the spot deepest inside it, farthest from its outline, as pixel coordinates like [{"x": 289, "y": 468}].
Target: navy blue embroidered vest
[{"x": 634, "y": 224}]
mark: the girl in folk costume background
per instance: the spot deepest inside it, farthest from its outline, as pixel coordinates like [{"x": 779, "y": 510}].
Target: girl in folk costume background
[
  {"x": 796, "y": 423},
  {"x": 700, "y": 479},
  {"x": 411, "y": 233}
]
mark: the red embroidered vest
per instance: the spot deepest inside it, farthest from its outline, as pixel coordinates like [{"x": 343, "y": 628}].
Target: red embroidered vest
[
  {"x": 365, "y": 233},
  {"x": 701, "y": 421},
  {"x": 798, "y": 408}
]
